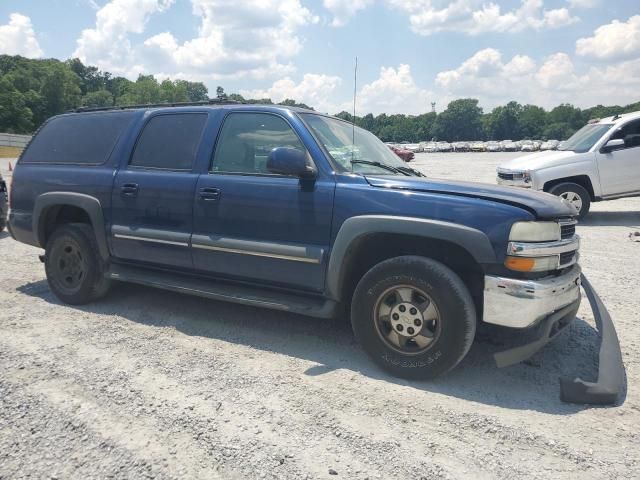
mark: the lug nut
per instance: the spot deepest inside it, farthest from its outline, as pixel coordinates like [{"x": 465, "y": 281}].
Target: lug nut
[
  {"x": 395, "y": 316},
  {"x": 413, "y": 311},
  {"x": 417, "y": 322},
  {"x": 410, "y": 330},
  {"x": 402, "y": 308},
  {"x": 400, "y": 328}
]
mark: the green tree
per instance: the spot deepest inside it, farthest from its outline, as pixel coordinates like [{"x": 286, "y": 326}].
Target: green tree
[
  {"x": 532, "y": 122},
  {"x": 504, "y": 122},
  {"x": 15, "y": 116},
  {"x": 99, "y": 98},
  {"x": 460, "y": 121}
]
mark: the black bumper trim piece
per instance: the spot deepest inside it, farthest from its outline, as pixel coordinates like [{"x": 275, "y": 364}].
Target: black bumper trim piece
[
  {"x": 610, "y": 383},
  {"x": 548, "y": 329}
]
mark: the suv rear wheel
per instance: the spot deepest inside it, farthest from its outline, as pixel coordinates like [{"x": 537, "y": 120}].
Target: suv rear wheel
[
  {"x": 575, "y": 194},
  {"x": 73, "y": 267},
  {"x": 413, "y": 316}
]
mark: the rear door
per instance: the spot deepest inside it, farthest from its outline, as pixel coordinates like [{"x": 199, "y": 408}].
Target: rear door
[
  {"x": 620, "y": 169},
  {"x": 152, "y": 198},
  {"x": 253, "y": 225}
]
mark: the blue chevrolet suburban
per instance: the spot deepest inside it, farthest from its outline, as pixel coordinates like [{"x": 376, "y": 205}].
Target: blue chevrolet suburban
[{"x": 288, "y": 209}]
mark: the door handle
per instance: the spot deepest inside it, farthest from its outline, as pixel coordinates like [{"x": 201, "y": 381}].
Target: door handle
[
  {"x": 208, "y": 194},
  {"x": 129, "y": 190}
]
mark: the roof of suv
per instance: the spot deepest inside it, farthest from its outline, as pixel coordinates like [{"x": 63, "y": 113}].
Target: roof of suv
[
  {"x": 197, "y": 106},
  {"x": 623, "y": 117}
]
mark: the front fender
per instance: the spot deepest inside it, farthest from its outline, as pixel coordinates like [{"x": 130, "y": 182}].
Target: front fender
[
  {"x": 89, "y": 204},
  {"x": 472, "y": 240}
]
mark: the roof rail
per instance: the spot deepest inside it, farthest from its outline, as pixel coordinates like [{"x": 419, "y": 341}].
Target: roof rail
[{"x": 211, "y": 101}]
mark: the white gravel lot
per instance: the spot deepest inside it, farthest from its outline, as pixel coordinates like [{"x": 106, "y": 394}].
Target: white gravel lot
[{"x": 151, "y": 384}]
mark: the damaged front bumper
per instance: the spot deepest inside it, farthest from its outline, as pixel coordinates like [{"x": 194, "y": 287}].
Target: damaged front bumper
[{"x": 563, "y": 299}]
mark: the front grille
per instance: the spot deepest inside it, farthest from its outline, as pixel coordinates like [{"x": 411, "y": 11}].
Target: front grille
[
  {"x": 567, "y": 229},
  {"x": 566, "y": 258},
  {"x": 510, "y": 176}
]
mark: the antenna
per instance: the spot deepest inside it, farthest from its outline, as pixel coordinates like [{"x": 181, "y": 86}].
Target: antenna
[{"x": 353, "y": 120}]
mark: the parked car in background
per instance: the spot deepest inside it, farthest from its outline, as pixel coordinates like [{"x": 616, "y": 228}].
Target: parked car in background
[
  {"x": 248, "y": 204},
  {"x": 527, "y": 146},
  {"x": 413, "y": 147},
  {"x": 601, "y": 161},
  {"x": 444, "y": 147},
  {"x": 549, "y": 145},
  {"x": 430, "y": 147},
  {"x": 4, "y": 203},
  {"x": 493, "y": 147},
  {"x": 509, "y": 146},
  {"x": 478, "y": 147},
  {"x": 404, "y": 154}
]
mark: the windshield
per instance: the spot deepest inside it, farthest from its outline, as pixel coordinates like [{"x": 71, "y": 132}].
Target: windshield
[
  {"x": 344, "y": 147},
  {"x": 585, "y": 138}
]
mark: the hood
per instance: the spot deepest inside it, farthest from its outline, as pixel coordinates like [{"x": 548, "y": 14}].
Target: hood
[
  {"x": 542, "y": 205},
  {"x": 538, "y": 160}
]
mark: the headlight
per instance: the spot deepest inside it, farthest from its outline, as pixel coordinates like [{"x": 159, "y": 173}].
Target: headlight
[
  {"x": 535, "y": 232},
  {"x": 526, "y": 176}
]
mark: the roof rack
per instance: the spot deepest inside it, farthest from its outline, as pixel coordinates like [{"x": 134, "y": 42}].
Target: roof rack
[{"x": 211, "y": 101}]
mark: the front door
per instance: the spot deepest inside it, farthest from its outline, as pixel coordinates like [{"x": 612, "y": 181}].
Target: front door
[
  {"x": 620, "y": 169},
  {"x": 252, "y": 225},
  {"x": 152, "y": 199}
]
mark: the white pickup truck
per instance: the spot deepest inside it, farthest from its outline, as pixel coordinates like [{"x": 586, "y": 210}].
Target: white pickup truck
[{"x": 601, "y": 161}]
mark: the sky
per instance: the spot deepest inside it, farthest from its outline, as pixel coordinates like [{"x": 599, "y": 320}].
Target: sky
[{"x": 410, "y": 52}]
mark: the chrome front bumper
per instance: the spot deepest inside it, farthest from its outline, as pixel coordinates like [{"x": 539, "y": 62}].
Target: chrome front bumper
[{"x": 522, "y": 303}]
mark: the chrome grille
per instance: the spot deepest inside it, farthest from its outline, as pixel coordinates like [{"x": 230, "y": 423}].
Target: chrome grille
[
  {"x": 510, "y": 176},
  {"x": 567, "y": 228}
]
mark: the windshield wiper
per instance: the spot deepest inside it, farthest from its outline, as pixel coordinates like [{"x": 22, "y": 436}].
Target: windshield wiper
[
  {"x": 381, "y": 165},
  {"x": 411, "y": 170}
]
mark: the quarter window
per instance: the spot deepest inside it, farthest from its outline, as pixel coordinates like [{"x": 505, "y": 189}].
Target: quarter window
[
  {"x": 86, "y": 138},
  {"x": 169, "y": 142},
  {"x": 246, "y": 140}
]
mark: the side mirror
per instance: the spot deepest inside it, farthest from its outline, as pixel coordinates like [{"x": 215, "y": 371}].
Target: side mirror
[
  {"x": 611, "y": 145},
  {"x": 290, "y": 161}
]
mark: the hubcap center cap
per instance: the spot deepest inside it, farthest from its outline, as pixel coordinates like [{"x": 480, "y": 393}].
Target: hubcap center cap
[{"x": 406, "y": 319}]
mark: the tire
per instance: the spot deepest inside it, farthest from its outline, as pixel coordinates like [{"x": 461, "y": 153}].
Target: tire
[
  {"x": 423, "y": 286},
  {"x": 73, "y": 266},
  {"x": 576, "y": 194}
]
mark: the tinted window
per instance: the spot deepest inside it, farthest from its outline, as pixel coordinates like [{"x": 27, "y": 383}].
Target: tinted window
[
  {"x": 84, "y": 138},
  {"x": 630, "y": 133},
  {"x": 169, "y": 141},
  {"x": 246, "y": 140}
]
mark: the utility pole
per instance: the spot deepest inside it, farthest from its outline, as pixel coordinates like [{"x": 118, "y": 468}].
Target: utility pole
[{"x": 433, "y": 107}]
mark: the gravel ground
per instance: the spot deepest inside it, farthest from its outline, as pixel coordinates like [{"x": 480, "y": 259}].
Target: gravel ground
[{"x": 151, "y": 384}]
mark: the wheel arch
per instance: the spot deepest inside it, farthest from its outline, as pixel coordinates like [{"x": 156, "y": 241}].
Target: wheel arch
[
  {"x": 583, "y": 180},
  {"x": 54, "y": 208},
  {"x": 367, "y": 240}
]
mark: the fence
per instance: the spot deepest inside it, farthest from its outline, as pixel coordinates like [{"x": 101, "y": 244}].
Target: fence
[{"x": 13, "y": 140}]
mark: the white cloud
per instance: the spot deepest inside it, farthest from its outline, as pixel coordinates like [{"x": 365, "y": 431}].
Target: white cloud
[
  {"x": 615, "y": 40},
  {"x": 317, "y": 91},
  {"x": 474, "y": 17},
  {"x": 555, "y": 80},
  {"x": 394, "y": 91},
  {"x": 584, "y": 3},
  {"x": 343, "y": 10},
  {"x": 18, "y": 38},
  {"x": 107, "y": 45},
  {"x": 255, "y": 38}
]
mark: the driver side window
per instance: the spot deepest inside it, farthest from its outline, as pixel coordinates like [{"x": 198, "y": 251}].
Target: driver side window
[
  {"x": 247, "y": 139},
  {"x": 630, "y": 133}
]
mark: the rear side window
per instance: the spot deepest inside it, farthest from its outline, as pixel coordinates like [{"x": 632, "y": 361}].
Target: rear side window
[
  {"x": 169, "y": 142},
  {"x": 78, "y": 139}
]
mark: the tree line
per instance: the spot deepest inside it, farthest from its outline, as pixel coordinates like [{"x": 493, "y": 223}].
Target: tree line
[{"x": 33, "y": 90}]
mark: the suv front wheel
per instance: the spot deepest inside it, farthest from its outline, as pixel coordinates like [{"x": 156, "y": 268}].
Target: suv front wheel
[
  {"x": 73, "y": 266},
  {"x": 414, "y": 316},
  {"x": 575, "y": 194}
]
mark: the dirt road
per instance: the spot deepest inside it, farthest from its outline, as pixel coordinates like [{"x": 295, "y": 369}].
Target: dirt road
[{"x": 150, "y": 384}]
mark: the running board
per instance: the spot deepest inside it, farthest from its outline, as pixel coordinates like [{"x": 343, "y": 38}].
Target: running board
[{"x": 226, "y": 292}]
